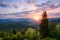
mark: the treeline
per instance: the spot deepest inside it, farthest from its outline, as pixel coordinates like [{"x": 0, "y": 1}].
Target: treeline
[{"x": 32, "y": 34}]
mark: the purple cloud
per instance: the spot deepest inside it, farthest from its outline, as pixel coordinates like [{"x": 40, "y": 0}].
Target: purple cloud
[
  {"x": 30, "y": 2},
  {"x": 25, "y": 13},
  {"x": 3, "y": 3},
  {"x": 48, "y": 4}
]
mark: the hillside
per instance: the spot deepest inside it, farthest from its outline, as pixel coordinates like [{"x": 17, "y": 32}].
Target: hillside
[{"x": 22, "y": 23}]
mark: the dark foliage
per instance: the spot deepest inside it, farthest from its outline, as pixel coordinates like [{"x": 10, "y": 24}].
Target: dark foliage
[
  {"x": 44, "y": 26},
  {"x": 14, "y": 31}
]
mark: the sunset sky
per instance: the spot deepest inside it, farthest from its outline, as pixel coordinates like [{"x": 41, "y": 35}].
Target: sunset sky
[{"x": 29, "y": 8}]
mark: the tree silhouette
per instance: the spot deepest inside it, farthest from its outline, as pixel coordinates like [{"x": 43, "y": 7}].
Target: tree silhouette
[
  {"x": 44, "y": 25},
  {"x": 14, "y": 31}
]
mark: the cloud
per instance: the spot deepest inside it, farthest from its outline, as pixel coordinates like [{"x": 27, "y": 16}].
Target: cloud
[
  {"x": 3, "y": 4},
  {"x": 15, "y": 6},
  {"x": 30, "y": 2},
  {"x": 48, "y": 5},
  {"x": 15, "y": 15},
  {"x": 31, "y": 14},
  {"x": 30, "y": 9},
  {"x": 27, "y": 14},
  {"x": 54, "y": 15}
]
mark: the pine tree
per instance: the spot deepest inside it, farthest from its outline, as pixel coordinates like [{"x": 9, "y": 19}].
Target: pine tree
[
  {"x": 44, "y": 25},
  {"x": 14, "y": 31}
]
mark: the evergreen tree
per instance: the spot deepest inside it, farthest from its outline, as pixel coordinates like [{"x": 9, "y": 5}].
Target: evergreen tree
[
  {"x": 44, "y": 25},
  {"x": 14, "y": 31}
]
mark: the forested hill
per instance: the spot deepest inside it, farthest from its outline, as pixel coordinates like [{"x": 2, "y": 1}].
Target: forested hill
[
  {"x": 57, "y": 20},
  {"x": 21, "y": 23},
  {"x": 18, "y": 23}
]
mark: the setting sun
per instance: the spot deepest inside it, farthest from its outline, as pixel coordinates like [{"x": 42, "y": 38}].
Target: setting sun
[{"x": 36, "y": 18}]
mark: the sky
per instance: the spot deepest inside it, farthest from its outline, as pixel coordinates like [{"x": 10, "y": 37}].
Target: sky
[{"x": 10, "y": 9}]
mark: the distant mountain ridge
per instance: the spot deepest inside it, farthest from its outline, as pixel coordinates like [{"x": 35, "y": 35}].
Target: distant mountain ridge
[
  {"x": 22, "y": 19},
  {"x": 57, "y": 20},
  {"x": 18, "y": 23},
  {"x": 22, "y": 23}
]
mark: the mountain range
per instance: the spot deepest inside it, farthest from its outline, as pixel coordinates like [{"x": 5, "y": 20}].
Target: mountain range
[{"x": 22, "y": 23}]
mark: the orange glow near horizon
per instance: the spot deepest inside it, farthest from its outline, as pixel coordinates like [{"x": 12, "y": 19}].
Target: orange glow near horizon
[
  {"x": 35, "y": 15},
  {"x": 36, "y": 18}
]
